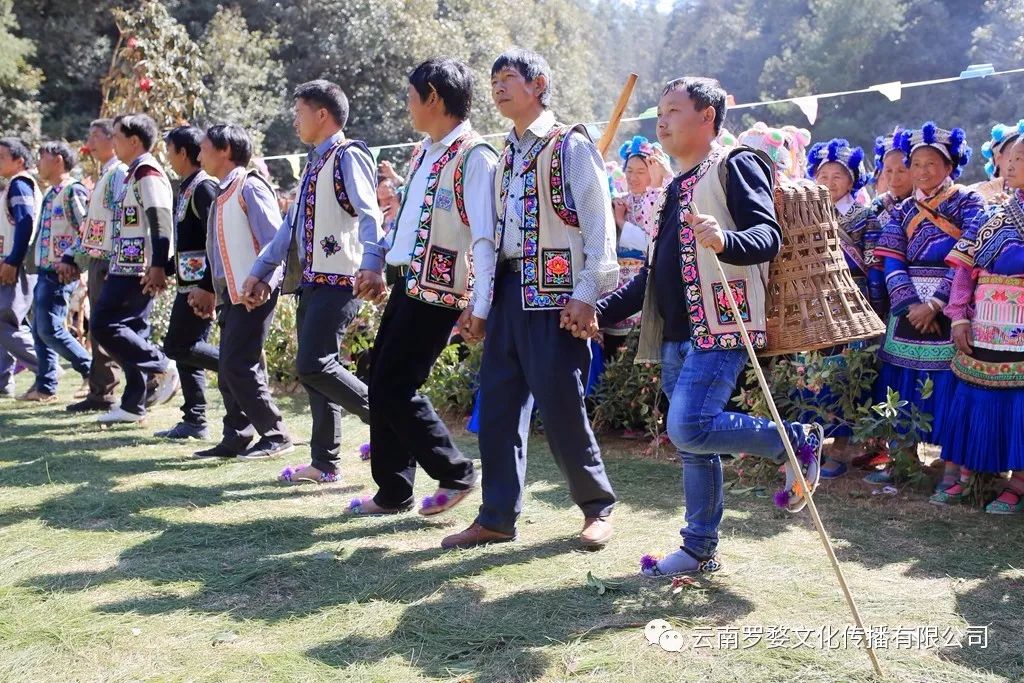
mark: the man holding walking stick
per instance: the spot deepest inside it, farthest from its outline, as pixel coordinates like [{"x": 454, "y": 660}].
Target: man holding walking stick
[{"x": 689, "y": 326}]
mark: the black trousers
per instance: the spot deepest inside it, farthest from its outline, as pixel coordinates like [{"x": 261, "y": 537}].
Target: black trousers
[
  {"x": 528, "y": 357},
  {"x": 103, "y": 379},
  {"x": 404, "y": 428},
  {"x": 120, "y": 323},
  {"x": 324, "y": 314},
  {"x": 249, "y": 407},
  {"x": 186, "y": 343}
]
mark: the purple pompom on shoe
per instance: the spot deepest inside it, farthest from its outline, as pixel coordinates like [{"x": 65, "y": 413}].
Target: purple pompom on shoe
[
  {"x": 648, "y": 562},
  {"x": 287, "y": 473},
  {"x": 806, "y": 454},
  {"x": 781, "y": 498},
  {"x": 355, "y": 504},
  {"x": 364, "y": 452}
]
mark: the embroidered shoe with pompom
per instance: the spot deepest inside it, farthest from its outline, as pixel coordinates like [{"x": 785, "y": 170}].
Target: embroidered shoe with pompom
[
  {"x": 679, "y": 563},
  {"x": 791, "y": 497}
]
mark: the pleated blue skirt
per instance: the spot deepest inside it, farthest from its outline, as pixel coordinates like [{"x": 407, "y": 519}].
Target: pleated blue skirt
[{"x": 986, "y": 428}]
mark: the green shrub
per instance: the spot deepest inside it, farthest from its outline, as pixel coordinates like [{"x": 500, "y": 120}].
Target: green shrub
[{"x": 628, "y": 394}]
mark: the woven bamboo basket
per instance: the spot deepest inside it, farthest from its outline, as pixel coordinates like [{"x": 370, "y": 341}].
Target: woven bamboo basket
[{"x": 813, "y": 302}]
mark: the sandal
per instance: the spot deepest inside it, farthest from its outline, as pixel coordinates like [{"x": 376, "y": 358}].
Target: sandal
[
  {"x": 649, "y": 567},
  {"x": 944, "y": 497},
  {"x": 1001, "y": 507},
  {"x": 792, "y": 497},
  {"x": 443, "y": 499},
  {"x": 355, "y": 507},
  {"x": 289, "y": 472}
]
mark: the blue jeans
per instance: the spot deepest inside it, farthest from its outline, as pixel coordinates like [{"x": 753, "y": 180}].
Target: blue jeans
[
  {"x": 699, "y": 385},
  {"x": 50, "y": 334}
]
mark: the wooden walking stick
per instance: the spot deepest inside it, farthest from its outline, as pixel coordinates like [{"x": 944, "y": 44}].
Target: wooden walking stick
[
  {"x": 794, "y": 463},
  {"x": 620, "y": 107}
]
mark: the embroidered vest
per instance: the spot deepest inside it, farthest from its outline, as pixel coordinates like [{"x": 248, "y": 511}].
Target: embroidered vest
[
  {"x": 96, "y": 233},
  {"x": 712, "y": 325},
  {"x": 190, "y": 265},
  {"x": 328, "y": 221},
  {"x": 552, "y": 242},
  {"x": 132, "y": 241},
  {"x": 236, "y": 243},
  {"x": 441, "y": 268},
  {"x": 7, "y": 220},
  {"x": 57, "y": 234}
]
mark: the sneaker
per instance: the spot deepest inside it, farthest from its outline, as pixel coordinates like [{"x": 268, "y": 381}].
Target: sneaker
[
  {"x": 7, "y": 393},
  {"x": 89, "y": 405},
  {"x": 265, "y": 449},
  {"x": 881, "y": 477},
  {"x": 833, "y": 469},
  {"x": 167, "y": 385},
  {"x": 791, "y": 497},
  {"x": 219, "y": 451},
  {"x": 119, "y": 415},
  {"x": 184, "y": 430},
  {"x": 35, "y": 396}
]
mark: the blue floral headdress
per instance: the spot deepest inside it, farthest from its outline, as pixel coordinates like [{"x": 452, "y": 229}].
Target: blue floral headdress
[
  {"x": 952, "y": 144},
  {"x": 884, "y": 144},
  {"x": 839, "y": 151},
  {"x": 638, "y": 146},
  {"x": 1001, "y": 136}
]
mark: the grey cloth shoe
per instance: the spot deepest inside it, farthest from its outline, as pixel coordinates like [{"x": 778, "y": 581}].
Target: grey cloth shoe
[{"x": 184, "y": 430}]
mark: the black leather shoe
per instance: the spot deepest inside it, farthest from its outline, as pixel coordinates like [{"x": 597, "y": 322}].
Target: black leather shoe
[
  {"x": 218, "y": 451},
  {"x": 265, "y": 448},
  {"x": 89, "y": 405}
]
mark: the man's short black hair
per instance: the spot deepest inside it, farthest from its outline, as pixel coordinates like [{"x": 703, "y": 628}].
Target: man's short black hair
[
  {"x": 186, "y": 138},
  {"x": 704, "y": 92},
  {"x": 105, "y": 126},
  {"x": 140, "y": 126},
  {"x": 58, "y": 148},
  {"x": 529, "y": 64},
  {"x": 18, "y": 150},
  {"x": 451, "y": 79},
  {"x": 234, "y": 137},
  {"x": 325, "y": 95}
]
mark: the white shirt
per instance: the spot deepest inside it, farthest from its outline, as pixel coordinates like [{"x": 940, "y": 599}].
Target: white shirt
[{"x": 479, "y": 197}]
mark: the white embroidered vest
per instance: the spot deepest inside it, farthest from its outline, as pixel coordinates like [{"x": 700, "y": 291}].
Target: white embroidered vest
[
  {"x": 96, "y": 233},
  {"x": 7, "y": 221},
  {"x": 441, "y": 268},
  {"x": 60, "y": 234},
  {"x": 329, "y": 224},
  {"x": 132, "y": 242},
  {"x": 237, "y": 245}
]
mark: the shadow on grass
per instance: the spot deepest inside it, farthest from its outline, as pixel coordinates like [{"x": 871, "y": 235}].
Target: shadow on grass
[{"x": 459, "y": 632}]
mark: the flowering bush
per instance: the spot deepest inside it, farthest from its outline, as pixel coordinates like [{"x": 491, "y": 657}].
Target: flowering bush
[{"x": 629, "y": 394}]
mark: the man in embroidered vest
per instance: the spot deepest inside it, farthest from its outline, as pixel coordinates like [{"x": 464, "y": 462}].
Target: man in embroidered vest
[
  {"x": 186, "y": 342},
  {"x": 244, "y": 219},
  {"x": 19, "y": 215},
  {"x": 61, "y": 216},
  {"x": 91, "y": 254},
  {"x": 687, "y": 324},
  {"x": 444, "y": 236},
  {"x": 141, "y": 245},
  {"x": 555, "y": 239},
  {"x": 329, "y": 246}
]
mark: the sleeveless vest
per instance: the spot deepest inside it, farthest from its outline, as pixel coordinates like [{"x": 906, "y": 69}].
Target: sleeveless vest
[
  {"x": 57, "y": 234},
  {"x": 7, "y": 220},
  {"x": 96, "y": 233},
  {"x": 132, "y": 241},
  {"x": 441, "y": 268},
  {"x": 237, "y": 245},
  {"x": 190, "y": 266}
]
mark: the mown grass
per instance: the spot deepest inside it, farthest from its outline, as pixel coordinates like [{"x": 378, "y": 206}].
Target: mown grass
[{"x": 123, "y": 560}]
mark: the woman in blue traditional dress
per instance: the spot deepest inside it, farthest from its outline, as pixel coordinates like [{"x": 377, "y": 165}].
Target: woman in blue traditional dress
[
  {"x": 986, "y": 306},
  {"x": 913, "y": 247}
]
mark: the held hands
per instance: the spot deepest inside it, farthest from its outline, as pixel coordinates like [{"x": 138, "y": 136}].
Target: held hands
[
  {"x": 255, "y": 293},
  {"x": 963, "y": 340},
  {"x": 203, "y": 303},
  {"x": 472, "y": 328},
  {"x": 67, "y": 273},
  {"x": 370, "y": 286},
  {"x": 154, "y": 281},
  {"x": 706, "y": 231},
  {"x": 580, "y": 319},
  {"x": 8, "y": 274},
  {"x": 922, "y": 317}
]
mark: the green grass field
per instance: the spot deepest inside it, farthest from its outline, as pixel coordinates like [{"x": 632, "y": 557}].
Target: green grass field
[{"x": 121, "y": 559}]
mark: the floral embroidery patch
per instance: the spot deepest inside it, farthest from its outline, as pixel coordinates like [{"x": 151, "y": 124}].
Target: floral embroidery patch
[
  {"x": 95, "y": 231},
  {"x": 441, "y": 266},
  {"x": 444, "y": 199},
  {"x": 131, "y": 215},
  {"x": 130, "y": 251},
  {"x": 330, "y": 245},
  {"x": 724, "y": 310},
  {"x": 61, "y": 244},
  {"x": 191, "y": 266},
  {"x": 557, "y": 268}
]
